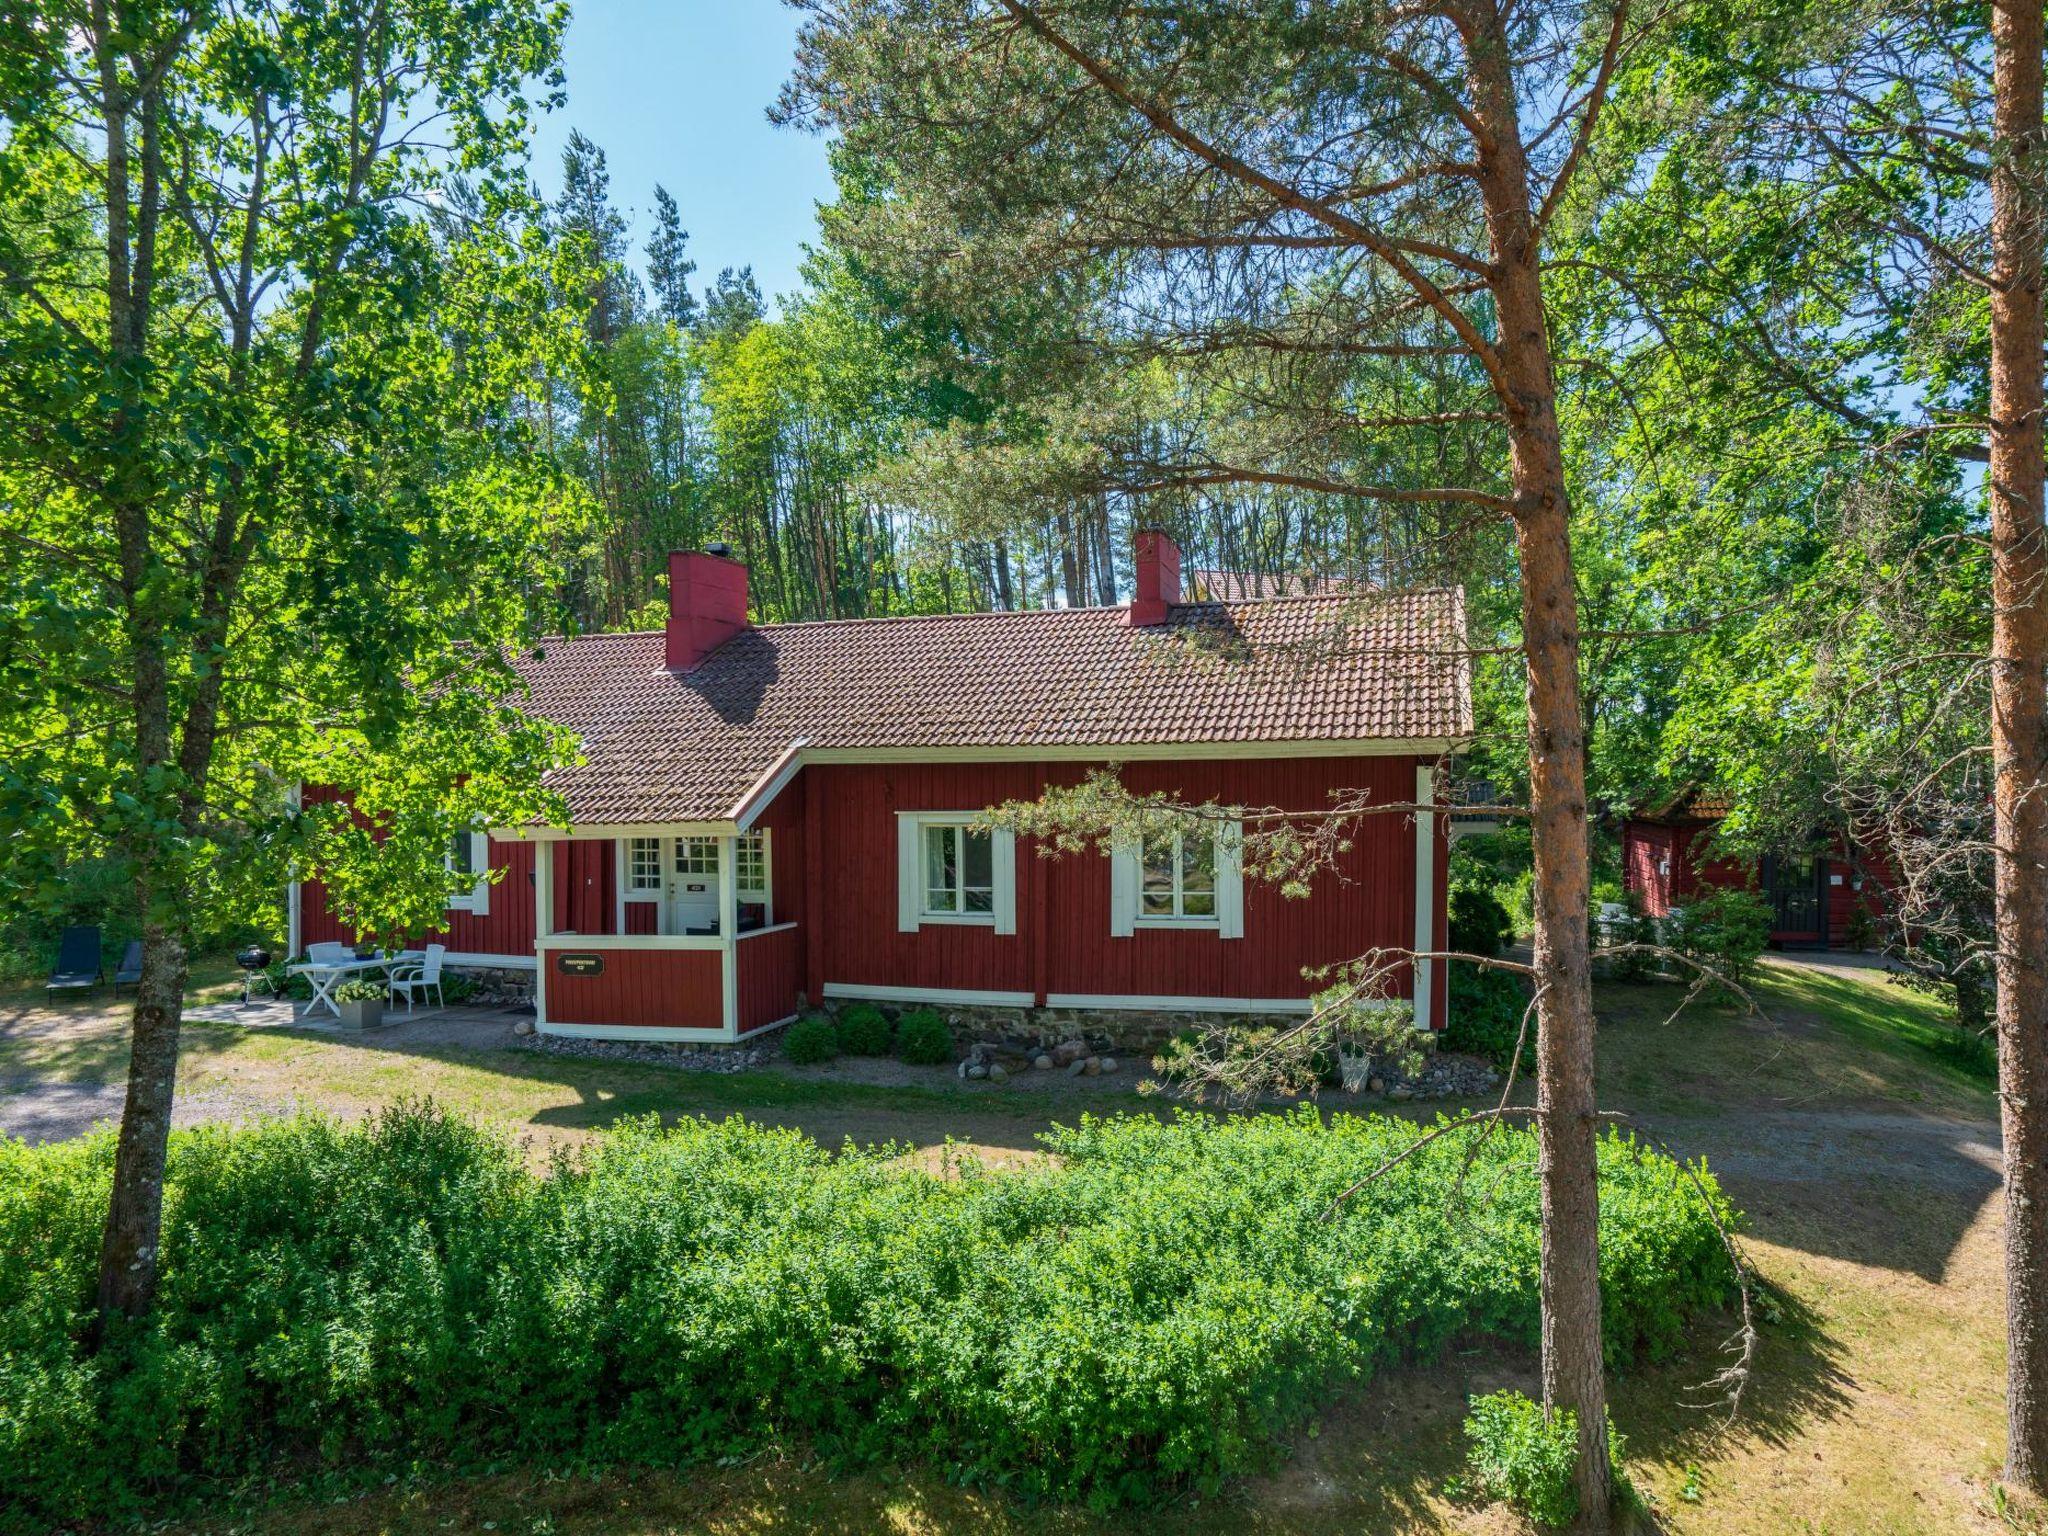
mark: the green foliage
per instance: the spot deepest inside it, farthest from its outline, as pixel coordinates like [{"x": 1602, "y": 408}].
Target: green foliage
[
  {"x": 810, "y": 1040},
  {"x": 922, "y": 1038},
  {"x": 1145, "y": 1314},
  {"x": 1480, "y": 924},
  {"x": 294, "y": 400},
  {"x": 361, "y": 990},
  {"x": 1485, "y": 1011},
  {"x": 1724, "y": 930},
  {"x": 864, "y": 1031},
  {"x": 1524, "y": 1456}
]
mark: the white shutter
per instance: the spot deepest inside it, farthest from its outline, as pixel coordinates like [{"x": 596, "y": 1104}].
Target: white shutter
[
  {"x": 909, "y": 899},
  {"x": 1123, "y": 888},
  {"x": 1230, "y": 881},
  {"x": 480, "y": 861},
  {"x": 1002, "y": 849}
]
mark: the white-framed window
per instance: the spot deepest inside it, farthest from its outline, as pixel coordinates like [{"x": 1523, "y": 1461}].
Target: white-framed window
[
  {"x": 950, "y": 871},
  {"x": 1177, "y": 878},
  {"x": 959, "y": 871},
  {"x": 643, "y": 867},
  {"x": 750, "y": 866},
  {"x": 469, "y": 853},
  {"x": 696, "y": 855}
]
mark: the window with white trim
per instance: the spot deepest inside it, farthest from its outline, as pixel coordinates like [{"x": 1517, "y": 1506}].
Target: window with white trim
[
  {"x": 949, "y": 870},
  {"x": 751, "y": 888},
  {"x": 696, "y": 855},
  {"x": 959, "y": 871},
  {"x": 469, "y": 853},
  {"x": 1177, "y": 878},
  {"x": 643, "y": 865}
]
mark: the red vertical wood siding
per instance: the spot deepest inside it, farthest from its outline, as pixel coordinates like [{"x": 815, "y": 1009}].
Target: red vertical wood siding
[
  {"x": 654, "y": 988},
  {"x": 1368, "y": 901},
  {"x": 770, "y": 976},
  {"x": 788, "y": 857},
  {"x": 586, "y": 886}
]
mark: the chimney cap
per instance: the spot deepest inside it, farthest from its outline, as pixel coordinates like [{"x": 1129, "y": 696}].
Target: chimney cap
[{"x": 719, "y": 548}]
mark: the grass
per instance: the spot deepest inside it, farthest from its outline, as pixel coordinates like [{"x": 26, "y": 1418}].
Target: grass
[{"x": 1866, "y": 1163}]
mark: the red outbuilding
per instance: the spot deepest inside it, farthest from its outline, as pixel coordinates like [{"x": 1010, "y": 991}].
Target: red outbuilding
[
  {"x": 1818, "y": 899},
  {"x": 767, "y": 815}
]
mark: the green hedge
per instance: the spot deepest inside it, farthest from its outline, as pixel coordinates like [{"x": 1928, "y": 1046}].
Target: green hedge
[{"x": 1148, "y": 1314}]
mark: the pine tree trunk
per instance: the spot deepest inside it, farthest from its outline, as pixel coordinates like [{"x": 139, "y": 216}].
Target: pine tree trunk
[
  {"x": 1566, "y": 1114},
  {"x": 128, "y": 1247},
  {"x": 2019, "y": 725}
]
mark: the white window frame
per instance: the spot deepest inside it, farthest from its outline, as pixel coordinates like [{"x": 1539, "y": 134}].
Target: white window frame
[
  {"x": 630, "y": 849},
  {"x": 910, "y": 888},
  {"x": 1178, "y": 918},
  {"x": 762, "y": 895},
  {"x": 689, "y": 856},
  {"x": 477, "y": 900},
  {"x": 1126, "y": 889}
]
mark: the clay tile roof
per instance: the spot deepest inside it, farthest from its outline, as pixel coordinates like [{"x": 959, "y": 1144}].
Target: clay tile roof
[{"x": 663, "y": 747}]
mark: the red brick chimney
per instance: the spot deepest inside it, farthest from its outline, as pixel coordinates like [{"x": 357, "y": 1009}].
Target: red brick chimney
[
  {"x": 707, "y": 603},
  {"x": 1157, "y": 563}
]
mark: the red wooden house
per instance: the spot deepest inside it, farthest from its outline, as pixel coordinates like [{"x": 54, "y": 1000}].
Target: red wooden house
[
  {"x": 775, "y": 813},
  {"x": 1669, "y": 858}
]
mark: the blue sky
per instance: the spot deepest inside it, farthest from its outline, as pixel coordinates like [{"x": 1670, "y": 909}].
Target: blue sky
[{"x": 677, "y": 93}]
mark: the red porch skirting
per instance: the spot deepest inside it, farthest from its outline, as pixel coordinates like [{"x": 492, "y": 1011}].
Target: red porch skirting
[{"x": 639, "y": 988}]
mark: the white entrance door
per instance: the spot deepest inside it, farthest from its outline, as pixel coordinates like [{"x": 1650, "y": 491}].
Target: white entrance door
[{"x": 693, "y": 886}]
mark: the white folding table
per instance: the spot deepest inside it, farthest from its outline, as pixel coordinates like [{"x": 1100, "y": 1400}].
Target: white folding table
[{"x": 325, "y": 976}]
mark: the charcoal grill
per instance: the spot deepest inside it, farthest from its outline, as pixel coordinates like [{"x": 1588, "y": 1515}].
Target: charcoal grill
[{"x": 254, "y": 961}]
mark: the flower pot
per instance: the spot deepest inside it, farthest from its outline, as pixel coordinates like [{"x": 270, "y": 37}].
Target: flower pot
[{"x": 362, "y": 1013}]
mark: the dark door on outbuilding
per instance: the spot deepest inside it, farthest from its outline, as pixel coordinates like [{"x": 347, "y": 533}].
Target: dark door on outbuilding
[{"x": 1792, "y": 885}]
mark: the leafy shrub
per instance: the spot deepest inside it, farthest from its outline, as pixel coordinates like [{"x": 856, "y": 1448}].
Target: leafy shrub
[
  {"x": 457, "y": 987},
  {"x": 811, "y": 1039},
  {"x": 1479, "y": 922},
  {"x": 1524, "y": 1456},
  {"x": 922, "y": 1038},
  {"x": 1146, "y": 1314},
  {"x": 1725, "y": 931},
  {"x": 864, "y": 1031},
  {"x": 1483, "y": 1015}
]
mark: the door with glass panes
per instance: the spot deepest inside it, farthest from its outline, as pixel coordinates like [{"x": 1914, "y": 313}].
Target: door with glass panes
[{"x": 693, "y": 886}]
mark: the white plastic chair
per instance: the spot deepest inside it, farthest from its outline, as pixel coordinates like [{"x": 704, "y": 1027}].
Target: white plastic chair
[
  {"x": 329, "y": 953},
  {"x": 418, "y": 976}
]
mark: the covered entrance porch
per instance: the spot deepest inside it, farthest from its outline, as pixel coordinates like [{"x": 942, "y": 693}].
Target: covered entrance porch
[{"x": 664, "y": 933}]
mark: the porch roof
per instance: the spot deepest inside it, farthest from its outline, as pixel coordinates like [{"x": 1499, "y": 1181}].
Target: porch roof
[{"x": 1357, "y": 671}]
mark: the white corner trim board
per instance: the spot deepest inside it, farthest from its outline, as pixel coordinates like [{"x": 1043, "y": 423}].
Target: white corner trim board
[{"x": 1425, "y": 894}]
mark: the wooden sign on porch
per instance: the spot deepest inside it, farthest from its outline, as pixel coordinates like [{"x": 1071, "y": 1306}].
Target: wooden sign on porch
[{"x": 580, "y": 965}]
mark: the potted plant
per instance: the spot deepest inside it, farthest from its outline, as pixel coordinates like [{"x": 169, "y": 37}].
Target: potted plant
[{"x": 361, "y": 1003}]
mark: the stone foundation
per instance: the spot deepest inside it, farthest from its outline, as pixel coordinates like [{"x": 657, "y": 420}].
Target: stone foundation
[
  {"x": 1137, "y": 1033},
  {"x": 496, "y": 986}
]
